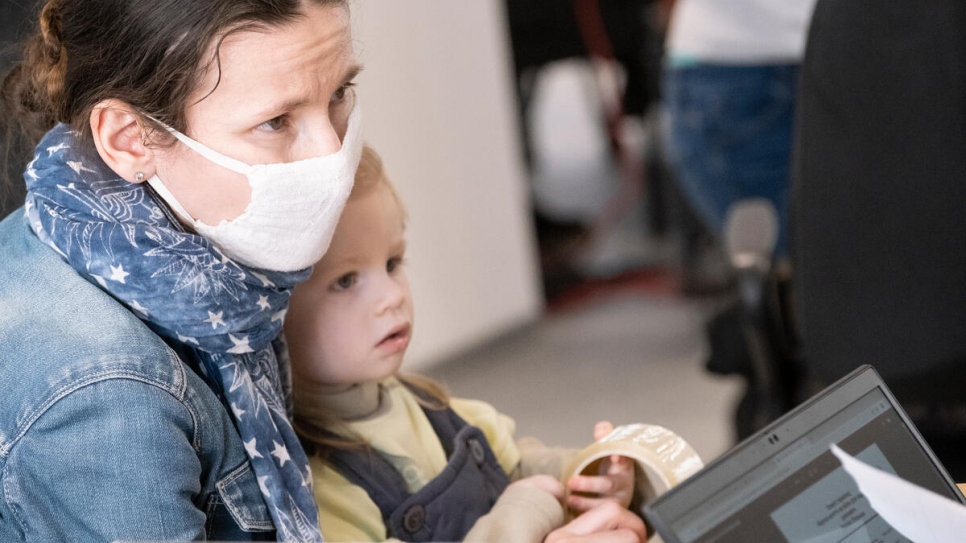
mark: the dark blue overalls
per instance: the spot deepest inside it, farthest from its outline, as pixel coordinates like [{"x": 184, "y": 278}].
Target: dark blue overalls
[{"x": 449, "y": 505}]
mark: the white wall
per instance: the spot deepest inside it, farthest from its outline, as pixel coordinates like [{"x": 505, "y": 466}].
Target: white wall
[{"x": 437, "y": 104}]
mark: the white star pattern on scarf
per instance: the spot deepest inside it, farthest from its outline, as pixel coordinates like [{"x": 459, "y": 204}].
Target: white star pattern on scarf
[
  {"x": 79, "y": 167},
  {"x": 118, "y": 274},
  {"x": 215, "y": 319},
  {"x": 139, "y": 308},
  {"x": 250, "y": 446},
  {"x": 263, "y": 302},
  {"x": 265, "y": 280},
  {"x": 281, "y": 453},
  {"x": 187, "y": 339},
  {"x": 241, "y": 345},
  {"x": 59, "y": 147},
  {"x": 31, "y": 172},
  {"x": 261, "y": 485}
]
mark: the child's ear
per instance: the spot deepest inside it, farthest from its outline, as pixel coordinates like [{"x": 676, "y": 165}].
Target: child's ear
[{"x": 119, "y": 139}]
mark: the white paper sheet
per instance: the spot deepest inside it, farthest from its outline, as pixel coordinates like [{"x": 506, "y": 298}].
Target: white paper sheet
[{"x": 919, "y": 514}]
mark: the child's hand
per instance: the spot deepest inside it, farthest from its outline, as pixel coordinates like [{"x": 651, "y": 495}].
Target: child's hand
[
  {"x": 542, "y": 482},
  {"x": 615, "y": 482}
]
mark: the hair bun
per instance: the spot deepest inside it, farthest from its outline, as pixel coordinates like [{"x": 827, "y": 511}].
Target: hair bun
[{"x": 50, "y": 67}]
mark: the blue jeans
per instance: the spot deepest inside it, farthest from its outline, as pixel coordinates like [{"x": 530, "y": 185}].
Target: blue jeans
[{"x": 728, "y": 136}]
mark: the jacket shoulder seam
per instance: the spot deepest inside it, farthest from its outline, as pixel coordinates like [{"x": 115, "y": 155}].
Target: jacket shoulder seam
[{"x": 176, "y": 388}]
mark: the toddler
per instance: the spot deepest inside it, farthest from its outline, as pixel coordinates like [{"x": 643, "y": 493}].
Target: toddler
[{"x": 391, "y": 455}]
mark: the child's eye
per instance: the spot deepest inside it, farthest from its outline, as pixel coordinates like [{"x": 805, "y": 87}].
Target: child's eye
[
  {"x": 344, "y": 282},
  {"x": 393, "y": 263}
]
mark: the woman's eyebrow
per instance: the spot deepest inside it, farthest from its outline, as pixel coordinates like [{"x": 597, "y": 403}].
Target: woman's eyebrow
[
  {"x": 277, "y": 109},
  {"x": 352, "y": 73}
]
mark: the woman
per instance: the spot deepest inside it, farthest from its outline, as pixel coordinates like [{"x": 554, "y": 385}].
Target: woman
[
  {"x": 107, "y": 434},
  {"x": 144, "y": 283}
]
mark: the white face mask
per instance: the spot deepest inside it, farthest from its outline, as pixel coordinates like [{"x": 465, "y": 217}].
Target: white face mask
[{"x": 294, "y": 209}]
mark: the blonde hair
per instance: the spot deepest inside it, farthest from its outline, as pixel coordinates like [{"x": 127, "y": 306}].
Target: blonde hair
[
  {"x": 370, "y": 175},
  {"x": 324, "y": 431}
]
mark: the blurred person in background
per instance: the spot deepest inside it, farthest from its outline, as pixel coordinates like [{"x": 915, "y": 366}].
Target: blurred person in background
[{"x": 730, "y": 87}]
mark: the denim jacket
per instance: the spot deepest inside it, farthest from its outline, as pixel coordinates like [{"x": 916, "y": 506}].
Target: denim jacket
[{"x": 105, "y": 434}]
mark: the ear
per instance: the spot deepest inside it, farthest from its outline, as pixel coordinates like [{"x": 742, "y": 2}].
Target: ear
[{"x": 120, "y": 140}]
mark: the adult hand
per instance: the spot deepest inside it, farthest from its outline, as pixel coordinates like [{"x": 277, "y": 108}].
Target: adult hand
[
  {"x": 615, "y": 481},
  {"x": 605, "y": 523}
]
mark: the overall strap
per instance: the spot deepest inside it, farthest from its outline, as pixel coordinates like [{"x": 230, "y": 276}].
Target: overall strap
[
  {"x": 373, "y": 472},
  {"x": 447, "y": 506},
  {"x": 445, "y": 422}
]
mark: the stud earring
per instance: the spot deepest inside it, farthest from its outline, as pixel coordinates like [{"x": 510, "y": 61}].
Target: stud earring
[{"x": 138, "y": 177}]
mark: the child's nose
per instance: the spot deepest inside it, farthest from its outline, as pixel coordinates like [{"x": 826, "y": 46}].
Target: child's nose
[{"x": 393, "y": 296}]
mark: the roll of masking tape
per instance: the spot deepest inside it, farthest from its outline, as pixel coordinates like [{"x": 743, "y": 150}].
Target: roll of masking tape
[{"x": 663, "y": 459}]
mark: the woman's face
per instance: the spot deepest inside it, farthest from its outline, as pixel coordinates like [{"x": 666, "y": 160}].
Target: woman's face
[{"x": 281, "y": 95}]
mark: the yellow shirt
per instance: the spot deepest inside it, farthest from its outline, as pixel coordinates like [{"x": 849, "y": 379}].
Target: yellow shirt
[{"x": 400, "y": 430}]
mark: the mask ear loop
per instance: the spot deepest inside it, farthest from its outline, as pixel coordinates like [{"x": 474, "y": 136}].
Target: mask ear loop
[
  {"x": 227, "y": 162},
  {"x": 170, "y": 205},
  {"x": 166, "y": 208},
  {"x": 152, "y": 189},
  {"x": 165, "y": 194}
]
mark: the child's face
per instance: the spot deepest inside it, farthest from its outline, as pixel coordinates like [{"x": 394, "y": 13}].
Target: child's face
[{"x": 352, "y": 320}]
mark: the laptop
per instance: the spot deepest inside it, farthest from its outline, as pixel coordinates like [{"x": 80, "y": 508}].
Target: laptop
[{"x": 784, "y": 485}]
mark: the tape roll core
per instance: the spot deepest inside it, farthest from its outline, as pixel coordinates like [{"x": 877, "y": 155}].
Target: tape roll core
[{"x": 663, "y": 459}]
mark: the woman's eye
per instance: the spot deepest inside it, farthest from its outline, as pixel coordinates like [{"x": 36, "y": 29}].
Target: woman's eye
[
  {"x": 274, "y": 124},
  {"x": 345, "y": 282},
  {"x": 342, "y": 91}
]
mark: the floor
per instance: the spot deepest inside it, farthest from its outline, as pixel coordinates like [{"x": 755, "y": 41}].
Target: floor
[
  {"x": 625, "y": 356},
  {"x": 628, "y": 348}
]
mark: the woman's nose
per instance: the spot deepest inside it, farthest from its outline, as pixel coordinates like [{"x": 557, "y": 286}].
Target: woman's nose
[
  {"x": 326, "y": 139},
  {"x": 322, "y": 136}
]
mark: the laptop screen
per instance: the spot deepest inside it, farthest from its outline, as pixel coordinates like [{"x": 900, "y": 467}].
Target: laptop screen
[{"x": 783, "y": 484}]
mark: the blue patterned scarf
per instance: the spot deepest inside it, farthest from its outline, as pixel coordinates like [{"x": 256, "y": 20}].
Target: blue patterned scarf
[{"x": 114, "y": 234}]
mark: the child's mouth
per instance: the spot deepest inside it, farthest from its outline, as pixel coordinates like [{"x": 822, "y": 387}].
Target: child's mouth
[{"x": 396, "y": 340}]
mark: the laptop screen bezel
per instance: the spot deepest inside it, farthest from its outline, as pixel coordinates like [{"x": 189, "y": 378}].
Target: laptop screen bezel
[{"x": 733, "y": 465}]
